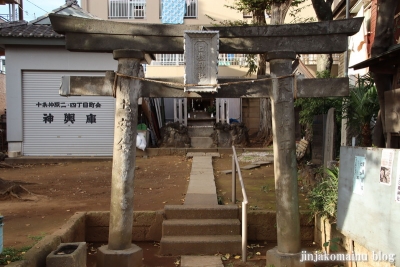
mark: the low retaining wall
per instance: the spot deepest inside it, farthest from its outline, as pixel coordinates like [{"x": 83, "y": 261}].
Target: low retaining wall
[
  {"x": 72, "y": 231},
  {"x": 262, "y": 226},
  {"x": 326, "y": 231},
  {"x": 149, "y": 152},
  {"x": 147, "y": 226},
  {"x": 92, "y": 227}
]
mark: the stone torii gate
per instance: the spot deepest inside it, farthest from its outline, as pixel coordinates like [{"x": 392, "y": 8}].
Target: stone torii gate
[{"x": 127, "y": 41}]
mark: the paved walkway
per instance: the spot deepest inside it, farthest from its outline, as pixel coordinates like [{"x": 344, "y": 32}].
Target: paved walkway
[
  {"x": 201, "y": 191},
  {"x": 201, "y": 261},
  {"x": 201, "y": 188}
]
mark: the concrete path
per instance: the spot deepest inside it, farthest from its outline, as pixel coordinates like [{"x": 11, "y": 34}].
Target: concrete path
[
  {"x": 201, "y": 261},
  {"x": 201, "y": 188}
]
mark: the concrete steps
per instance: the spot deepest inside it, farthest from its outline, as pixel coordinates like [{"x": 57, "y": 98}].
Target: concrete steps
[
  {"x": 201, "y": 142},
  {"x": 201, "y": 212},
  {"x": 200, "y": 136},
  {"x": 200, "y": 225},
  {"x": 205, "y": 245},
  {"x": 200, "y": 131},
  {"x": 200, "y": 229},
  {"x": 188, "y": 227}
]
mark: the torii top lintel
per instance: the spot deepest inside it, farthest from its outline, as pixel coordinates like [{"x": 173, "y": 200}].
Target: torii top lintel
[{"x": 94, "y": 35}]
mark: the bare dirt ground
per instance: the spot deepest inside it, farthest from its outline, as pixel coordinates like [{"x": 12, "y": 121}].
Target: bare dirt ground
[{"x": 60, "y": 190}]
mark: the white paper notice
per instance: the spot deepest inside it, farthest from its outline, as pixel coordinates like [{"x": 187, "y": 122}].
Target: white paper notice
[
  {"x": 359, "y": 175},
  {"x": 385, "y": 176},
  {"x": 397, "y": 195}
]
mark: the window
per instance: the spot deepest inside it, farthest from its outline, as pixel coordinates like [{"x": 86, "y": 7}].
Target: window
[
  {"x": 191, "y": 9},
  {"x": 127, "y": 9}
]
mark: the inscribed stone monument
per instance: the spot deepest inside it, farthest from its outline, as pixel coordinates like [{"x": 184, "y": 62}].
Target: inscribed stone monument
[{"x": 201, "y": 54}]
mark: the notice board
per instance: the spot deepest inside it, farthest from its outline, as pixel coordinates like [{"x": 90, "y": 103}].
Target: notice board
[{"x": 369, "y": 198}]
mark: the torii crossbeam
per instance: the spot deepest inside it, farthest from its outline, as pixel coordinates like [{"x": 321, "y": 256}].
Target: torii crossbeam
[{"x": 127, "y": 41}]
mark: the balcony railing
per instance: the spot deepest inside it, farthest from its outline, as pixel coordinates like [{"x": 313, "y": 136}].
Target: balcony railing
[
  {"x": 227, "y": 59},
  {"x": 179, "y": 59},
  {"x": 232, "y": 60},
  {"x": 127, "y": 9},
  {"x": 168, "y": 60}
]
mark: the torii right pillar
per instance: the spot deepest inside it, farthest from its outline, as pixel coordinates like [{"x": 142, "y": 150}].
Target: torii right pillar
[{"x": 288, "y": 251}]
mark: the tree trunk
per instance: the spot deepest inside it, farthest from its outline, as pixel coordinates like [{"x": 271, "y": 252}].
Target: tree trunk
[
  {"x": 382, "y": 41},
  {"x": 265, "y": 128},
  {"x": 265, "y": 132},
  {"x": 324, "y": 63},
  {"x": 278, "y": 14},
  {"x": 377, "y": 138},
  {"x": 366, "y": 135},
  {"x": 279, "y": 11}
]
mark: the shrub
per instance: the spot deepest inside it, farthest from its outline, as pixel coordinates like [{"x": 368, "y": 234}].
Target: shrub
[{"x": 324, "y": 196}]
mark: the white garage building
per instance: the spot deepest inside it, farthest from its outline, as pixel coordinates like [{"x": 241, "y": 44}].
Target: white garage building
[{"x": 39, "y": 121}]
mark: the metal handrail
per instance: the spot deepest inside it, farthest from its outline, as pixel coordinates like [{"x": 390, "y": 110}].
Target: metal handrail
[{"x": 236, "y": 168}]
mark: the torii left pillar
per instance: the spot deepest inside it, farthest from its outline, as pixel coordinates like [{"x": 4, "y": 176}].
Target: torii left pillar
[{"x": 120, "y": 251}]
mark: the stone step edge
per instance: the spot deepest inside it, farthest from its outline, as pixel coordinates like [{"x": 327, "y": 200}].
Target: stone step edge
[
  {"x": 201, "y": 222},
  {"x": 201, "y": 239}
]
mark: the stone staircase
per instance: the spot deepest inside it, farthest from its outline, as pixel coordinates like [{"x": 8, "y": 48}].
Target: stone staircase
[
  {"x": 196, "y": 229},
  {"x": 201, "y": 226},
  {"x": 200, "y": 127}
]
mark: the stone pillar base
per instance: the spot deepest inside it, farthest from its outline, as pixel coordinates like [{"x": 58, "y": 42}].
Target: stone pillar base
[
  {"x": 131, "y": 257},
  {"x": 277, "y": 259}
]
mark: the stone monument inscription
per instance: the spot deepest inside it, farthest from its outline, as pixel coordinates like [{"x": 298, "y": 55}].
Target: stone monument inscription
[{"x": 201, "y": 54}]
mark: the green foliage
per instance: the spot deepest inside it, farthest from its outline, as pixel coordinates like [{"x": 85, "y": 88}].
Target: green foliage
[
  {"x": 261, "y": 5},
  {"x": 251, "y": 63},
  {"x": 294, "y": 13},
  {"x": 211, "y": 109},
  {"x": 12, "y": 254},
  {"x": 37, "y": 238},
  {"x": 324, "y": 74},
  {"x": 324, "y": 196},
  {"x": 226, "y": 23},
  {"x": 16, "y": 254},
  {"x": 333, "y": 244},
  {"x": 265, "y": 188},
  {"x": 311, "y": 107},
  {"x": 361, "y": 107},
  {"x": 256, "y": 7}
]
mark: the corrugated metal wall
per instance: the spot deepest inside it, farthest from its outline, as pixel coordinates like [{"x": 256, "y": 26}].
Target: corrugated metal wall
[{"x": 64, "y": 126}]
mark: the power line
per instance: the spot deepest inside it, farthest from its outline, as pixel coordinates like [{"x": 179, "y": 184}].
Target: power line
[{"x": 37, "y": 6}]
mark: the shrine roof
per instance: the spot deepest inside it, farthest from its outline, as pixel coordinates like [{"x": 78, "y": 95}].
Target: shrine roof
[
  {"x": 387, "y": 60},
  {"x": 26, "y": 30},
  {"x": 41, "y": 27}
]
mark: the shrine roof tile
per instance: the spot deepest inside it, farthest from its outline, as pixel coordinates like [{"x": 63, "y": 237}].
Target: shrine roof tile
[
  {"x": 41, "y": 27},
  {"x": 25, "y": 30}
]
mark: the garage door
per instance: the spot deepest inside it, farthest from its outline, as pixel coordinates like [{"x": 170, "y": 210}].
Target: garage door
[{"x": 64, "y": 126}]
